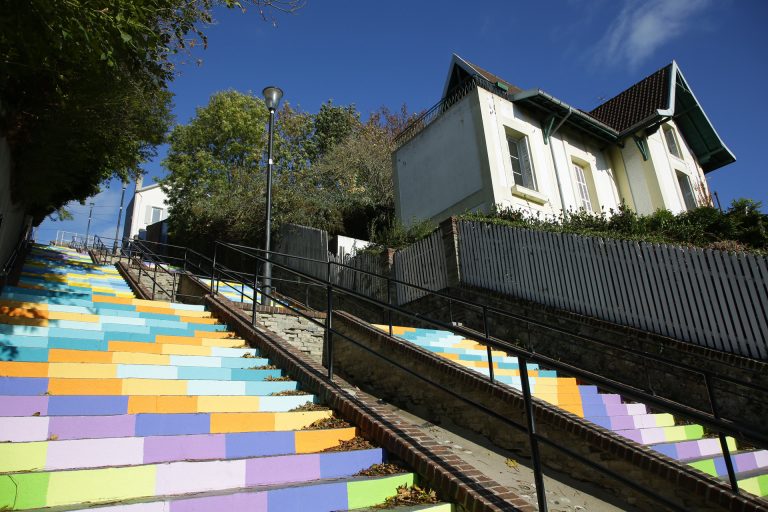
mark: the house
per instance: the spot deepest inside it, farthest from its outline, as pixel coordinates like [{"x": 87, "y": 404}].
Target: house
[
  {"x": 147, "y": 206},
  {"x": 488, "y": 142}
]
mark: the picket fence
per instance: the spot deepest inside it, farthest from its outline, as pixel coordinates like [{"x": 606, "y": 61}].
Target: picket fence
[
  {"x": 712, "y": 298},
  {"x": 421, "y": 264}
]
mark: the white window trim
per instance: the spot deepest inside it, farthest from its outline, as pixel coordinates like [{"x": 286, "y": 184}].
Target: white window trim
[
  {"x": 678, "y": 174},
  {"x": 671, "y": 129},
  {"x": 513, "y": 134},
  {"x": 529, "y": 195},
  {"x": 582, "y": 186}
]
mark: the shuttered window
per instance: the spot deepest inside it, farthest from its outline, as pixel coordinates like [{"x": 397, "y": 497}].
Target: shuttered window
[
  {"x": 672, "y": 145},
  {"x": 582, "y": 188},
  {"x": 685, "y": 188},
  {"x": 522, "y": 170}
]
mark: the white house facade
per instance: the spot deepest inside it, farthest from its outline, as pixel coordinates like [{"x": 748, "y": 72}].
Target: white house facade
[
  {"x": 490, "y": 143},
  {"x": 147, "y": 206}
]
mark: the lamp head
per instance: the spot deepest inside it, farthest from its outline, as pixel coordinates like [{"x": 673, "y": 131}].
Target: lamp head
[{"x": 272, "y": 97}]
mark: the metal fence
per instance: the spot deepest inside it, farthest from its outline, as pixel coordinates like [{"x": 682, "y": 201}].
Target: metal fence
[{"x": 712, "y": 298}]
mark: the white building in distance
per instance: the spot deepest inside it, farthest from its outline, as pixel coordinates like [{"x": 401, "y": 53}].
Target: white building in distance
[{"x": 147, "y": 206}]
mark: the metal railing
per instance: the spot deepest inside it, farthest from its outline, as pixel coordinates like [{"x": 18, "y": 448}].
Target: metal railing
[
  {"x": 10, "y": 264},
  {"x": 454, "y": 95},
  {"x": 712, "y": 420}
]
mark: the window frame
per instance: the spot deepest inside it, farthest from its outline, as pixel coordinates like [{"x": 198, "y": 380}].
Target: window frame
[
  {"x": 521, "y": 144},
  {"x": 683, "y": 177},
  {"x": 670, "y": 136},
  {"x": 152, "y": 214},
  {"x": 582, "y": 186}
]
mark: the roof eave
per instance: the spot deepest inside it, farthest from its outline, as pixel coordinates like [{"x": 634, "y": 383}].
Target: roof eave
[{"x": 608, "y": 133}]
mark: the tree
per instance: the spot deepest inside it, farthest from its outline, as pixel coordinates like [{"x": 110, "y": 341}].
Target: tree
[
  {"x": 83, "y": 87},
  {"x": 214, "y": 184},
  {"x": 216, "y": 179}
]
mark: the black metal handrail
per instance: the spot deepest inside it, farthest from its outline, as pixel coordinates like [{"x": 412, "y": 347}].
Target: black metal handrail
[
  {"x": 10, "y": 263},
  {"x": 494, "y": 310},
  {"x": 524, "y": 356},
  {"x": 713, "y": 421}
]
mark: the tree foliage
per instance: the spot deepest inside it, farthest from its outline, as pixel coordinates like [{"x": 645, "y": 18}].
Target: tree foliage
[
  {"x": 332, "y": 171},
  {"x": 83, "y": 88}
]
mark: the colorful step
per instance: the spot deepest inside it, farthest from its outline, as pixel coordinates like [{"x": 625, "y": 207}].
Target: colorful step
[
  {"x": 686, "y": 443},
  {"x": 133, "y": 405}
]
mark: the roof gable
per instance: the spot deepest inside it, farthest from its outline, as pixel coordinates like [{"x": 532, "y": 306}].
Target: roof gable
[
  {"x": 639, "y": 103},
  {"x": 461, "y": 67}
]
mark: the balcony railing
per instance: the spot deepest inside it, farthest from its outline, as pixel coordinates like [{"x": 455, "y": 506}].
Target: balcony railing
[{"x": 450, "y": 99}]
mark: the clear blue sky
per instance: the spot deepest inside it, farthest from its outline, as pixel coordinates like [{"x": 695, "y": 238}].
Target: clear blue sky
[{"x": 581, "y": 51}]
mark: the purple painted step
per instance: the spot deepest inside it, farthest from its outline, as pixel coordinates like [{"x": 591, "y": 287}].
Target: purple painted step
[{"x": 690, "y": 450}]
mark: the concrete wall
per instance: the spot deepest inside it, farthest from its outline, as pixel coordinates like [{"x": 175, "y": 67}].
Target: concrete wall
[
  {"x": 13, "y": 221},
  {"x": 443, "y": 169}
]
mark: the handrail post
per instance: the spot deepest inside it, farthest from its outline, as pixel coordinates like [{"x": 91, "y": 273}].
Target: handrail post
[
  {"x": 185, "y": 259},
  {"x": 723, "y": 440},
  {"x": 214, "y": 286},
  {"x": 173, "y": 289},
  {"x": 329, "y": 324},
  {"x": 254, "y": 299},
  {"x": 488, "y": 342},
  {"x": 389, "y": 302},
  {"x": 538, "y": 476},
  {"x": 154, "y": 282}
]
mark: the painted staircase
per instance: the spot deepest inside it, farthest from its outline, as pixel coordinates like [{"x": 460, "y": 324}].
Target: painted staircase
[
  {"x": 116, "y": 403},
  {"x": 686, "y": 443}
]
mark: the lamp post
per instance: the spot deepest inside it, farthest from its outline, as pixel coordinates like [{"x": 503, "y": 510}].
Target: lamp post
[
  {"x": 88, "y": 229},
  {"x": 119, "y": 217},
  {"x": 272, "y": 96}
]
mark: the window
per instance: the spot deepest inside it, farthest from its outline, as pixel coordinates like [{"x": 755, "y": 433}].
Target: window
[
  {"x": 672, "y": 144},
  {"x": 685, "y": 188},
  {"x": 582, "y": 188},
  {"x": 522, "y": 171},
  {"x": 157, "y": 213}
]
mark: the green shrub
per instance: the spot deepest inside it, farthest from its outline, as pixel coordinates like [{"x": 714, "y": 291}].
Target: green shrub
[{"x": 741, "y": 227}]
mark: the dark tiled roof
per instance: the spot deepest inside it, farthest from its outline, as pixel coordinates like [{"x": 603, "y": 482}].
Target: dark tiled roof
[
  {"x": 513, "y": 89},
  {"x": 637, "y": 103}
]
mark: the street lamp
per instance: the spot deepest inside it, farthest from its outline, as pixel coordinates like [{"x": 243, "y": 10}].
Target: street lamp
[{"x": 272, "y": 96}]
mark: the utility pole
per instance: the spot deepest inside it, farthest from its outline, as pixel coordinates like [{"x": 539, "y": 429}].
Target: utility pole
[
  {"x": 119, "y": 217},
  {"x": 88, "y": 229}
]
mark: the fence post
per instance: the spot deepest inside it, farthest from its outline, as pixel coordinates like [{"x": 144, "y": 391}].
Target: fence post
[
  {"x": 488, "y": 342},
  {"x": 449, "y": 232},
  {"x": 255, "y": 300},
  {"x": 389, "y": 302},
  {"x": 538, "y": 476},
  {"x": 214, "y": 284},
  {"x": 329, "y": 324},
  {"x": 154, "y": 282}
]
